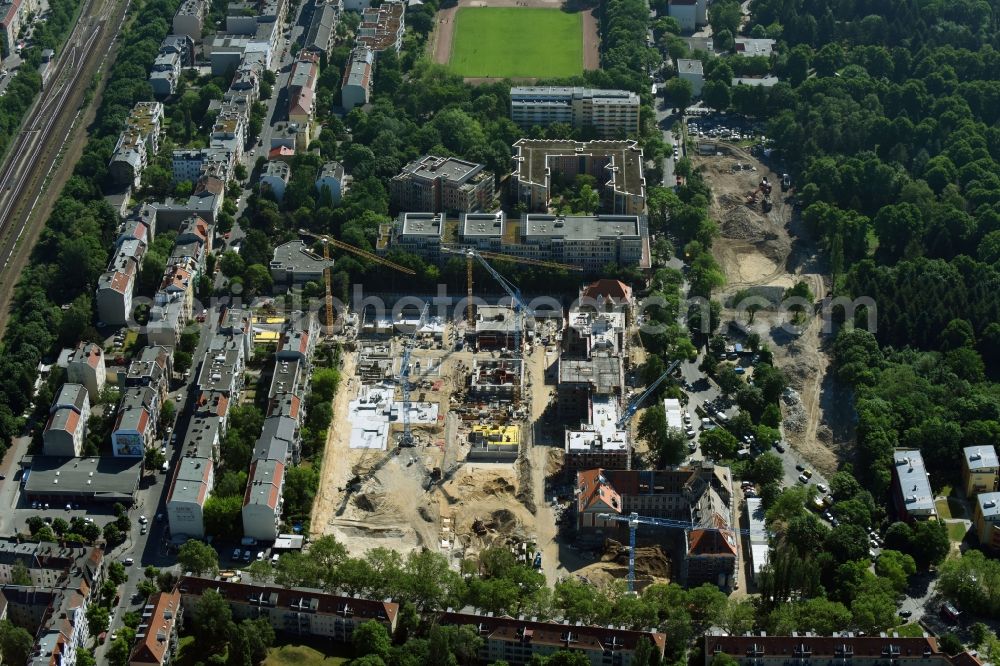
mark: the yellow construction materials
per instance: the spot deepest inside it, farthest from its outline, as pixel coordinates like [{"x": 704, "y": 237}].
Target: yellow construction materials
[{"x": 494, "y": 435}]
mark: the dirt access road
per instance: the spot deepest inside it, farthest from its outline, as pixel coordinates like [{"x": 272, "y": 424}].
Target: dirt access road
[
  {"x": 769, "y": 253},
  {"x": 439, "y": 44}
]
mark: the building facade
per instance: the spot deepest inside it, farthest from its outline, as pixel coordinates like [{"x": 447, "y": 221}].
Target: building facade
[
  {"x": 980, "y": 469},
  {"x": 439, "y": 184},
  {"x": 611, "y": 113},
  {"x": 67, "y": 425}
]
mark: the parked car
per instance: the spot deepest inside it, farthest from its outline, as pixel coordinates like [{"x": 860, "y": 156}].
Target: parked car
[
  {"x": 803, "y": 478},
  {"x": 822, "y": 488},
  {"x": 236, "y": 553},
  {"x": 779, "y": 448}
]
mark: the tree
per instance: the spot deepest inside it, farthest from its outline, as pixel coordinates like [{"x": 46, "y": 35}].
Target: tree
[
  {"x": 19, "y": 574},
  {"x": 212, "y": 619},
  {"x": 97, "y": 619},
  {"x": 198, "y": 558},
  {"x": 679, "y": 92},
  {"x": 930, "y": 543},
  {"x": 896, "y": 567},
  {"x": 117, "y": 573},
  {"x": 16, "y": 644},
  {"x": 717, "y": 95},
  {"x": 371, "y": 638},
  {"x": 951, "y": 644},
  {"x": 767, "y": 468},
  {"x": 168, "y": 410},
  {"x": 667, "y": 443},
  {"x": 719, "y": 444},
  {"x": 738, "y": 617}
]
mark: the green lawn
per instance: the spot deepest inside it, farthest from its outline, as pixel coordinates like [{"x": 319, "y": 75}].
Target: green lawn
[
  {"x": 911, "y": 630},
  {"x": 517, "y": 42},
  {"x": 956, "y": 531},
  {"x": 300, "y": 655}
]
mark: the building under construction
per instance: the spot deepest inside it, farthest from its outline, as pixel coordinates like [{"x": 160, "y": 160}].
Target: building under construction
[
  {"x": 495, "y": 328},
  {"x": 496, "y": 379},
  {"x": 494, "y": 443}
]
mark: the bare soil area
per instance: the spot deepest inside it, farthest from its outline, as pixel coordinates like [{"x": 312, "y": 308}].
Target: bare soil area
[{"x": 771, "y": 251}]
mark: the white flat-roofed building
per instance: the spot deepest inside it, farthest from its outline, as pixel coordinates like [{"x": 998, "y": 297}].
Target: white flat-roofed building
[
  {"x": 751, "y": 47},
  {"x": 275, "y": 178},
  {"x": 674, "y": 413},
  {"x": 191, "y": 487},
  {"x": 420, "y": 234},
  {"x": 911, "y": 486},
  {"x": 331, "y": 178},
  {"x": 980, "y": 469},
  {"x": 760, "y": 549},
  {"x": 612, "y": 113},
  {"x": 693, "y": 72},
  {"x": 591, "y": 242},
  {"x": 599, "y": 442}
]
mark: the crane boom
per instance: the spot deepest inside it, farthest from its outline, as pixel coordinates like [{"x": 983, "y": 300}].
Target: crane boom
[
  {"x": 404, "y": 375},
  {"x": 358, "y": 251},
  {"x": 634, "y": 520},
  {"x": 633, "y": 406}
]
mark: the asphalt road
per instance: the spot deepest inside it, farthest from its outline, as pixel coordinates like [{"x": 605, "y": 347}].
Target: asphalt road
[{"x": 664, "y": 121}]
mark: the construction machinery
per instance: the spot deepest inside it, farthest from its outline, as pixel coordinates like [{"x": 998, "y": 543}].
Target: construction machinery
[
  {"x": 472, "y": 255},
  {"x": 764, "y": 190},
  {"x": 404, "y": 377},
  {"x": 634, "y": 405},
  {"x": 327, "y": 241},
  {"x": 634, "y": 520}
]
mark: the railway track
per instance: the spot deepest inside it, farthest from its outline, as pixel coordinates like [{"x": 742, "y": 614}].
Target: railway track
[{"x": 24, "y": 175}]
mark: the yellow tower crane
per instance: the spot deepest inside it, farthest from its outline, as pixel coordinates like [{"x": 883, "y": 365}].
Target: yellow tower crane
[{"x": 327, "y": 241}]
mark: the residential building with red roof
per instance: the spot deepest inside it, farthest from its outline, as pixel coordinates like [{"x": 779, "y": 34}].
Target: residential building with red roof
[
  {"x": 517, "y": 640},
  {"x": 86, "y": 366},
  {"x": 843, "y": 648},
  {"x": 700, "y": 495},
  {"x": 262, "y": 502},
  {"x": 295, "y": 611},
  {"x": 67, "y": 425},
  {"x": 156, "y": 637}
]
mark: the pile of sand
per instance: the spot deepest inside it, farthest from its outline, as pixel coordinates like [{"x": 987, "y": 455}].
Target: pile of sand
[
  {"x": 741, "y": 224},
  {"x": 649, "y": 560}
]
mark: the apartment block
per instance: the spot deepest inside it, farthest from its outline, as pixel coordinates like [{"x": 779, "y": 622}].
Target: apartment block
[
  {"x": 356, "y": 88},
  {"x": 686, "y": 13},
  {"x": 331, "y": 178},
  {"x": 382, "y": 27},
  {"x": 580, "y": 380},
  {"x": 418, "y": 233},
  {"x": 699, "y": 495},
  {"x": 611, "y": 113},
  {"x": 294, "y": 263},
  {"x": 165, "y": 74},
  {"x": 598, "y": 442},
  {"x": 135, "y": 425},
  {"x": 517, "y": 641},
  {"x": 295, "y": 611},
  {"x": 980, "y": 469},
  {"x": 138, "y": 141},
  {"x": 189, "y": 19},
  {"x": 616, "y": 166},
  {"x": 156, "y": 636},
  {"x": 263, "y": 500},
  {"x": 693, "y": 72},
  {"x": 67, "y": 425},
  {"x": 588, "y": 333},
  {"x": 13, "y": 17},
  {"x": 302, "y": 95},
  {"x": 274, "y": 178},
  {"x": 116, "y": 286},
  {"x": 86, "y": 366},
  {"x": 911, "y": 486},
  {"x": 323, "y": 27},
  {"x": 438, "y": 184},
  {"x": 840, "y": 648},
  {"x": 190, "y": 489}
]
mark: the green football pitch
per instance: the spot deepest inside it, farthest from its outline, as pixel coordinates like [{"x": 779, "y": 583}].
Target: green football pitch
[{"x": 516, "y": 42}]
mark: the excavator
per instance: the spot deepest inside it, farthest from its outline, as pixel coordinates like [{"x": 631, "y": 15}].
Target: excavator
[{"x": 764, "y": 189}]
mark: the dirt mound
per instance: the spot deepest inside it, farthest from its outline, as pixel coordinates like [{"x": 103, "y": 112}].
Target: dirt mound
[
  {"x": 503, "y": 520},
  {"x": 367, "y": 502},
  {"x": 499, "y": 486},
  {"x": 731, "y": 200},
  {"x": 795, "y": 414},
  {"x": 649, "y": 560},
  {"x": 742, "y": 224}
]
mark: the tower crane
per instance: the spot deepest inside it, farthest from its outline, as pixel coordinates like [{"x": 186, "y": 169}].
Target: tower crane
[
  {"x": 634, "y": 520},
  {"x": 327, "y": 241},
  {"x": 404, "y": 376},
  {"x": 472, "y": 255},
  {"x": 634, "y": 405}
]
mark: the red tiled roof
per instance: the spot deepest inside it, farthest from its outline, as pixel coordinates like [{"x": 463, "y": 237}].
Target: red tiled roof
[
  {"x": 710, "y": 542},
  {"x": 821, "y": 646},
  {"x": 149, "y": 649},
  {"x": 594, "y": 488},
  {"x": 328, "y": 604},
  {"x": 606, "y": 288},
  {"x": 576, "y": 637}
]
